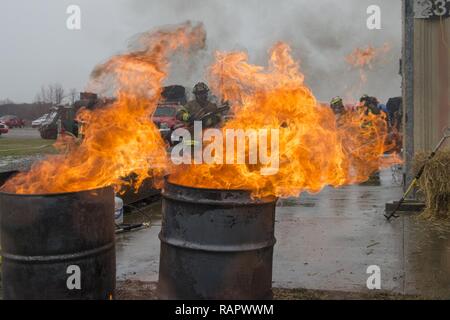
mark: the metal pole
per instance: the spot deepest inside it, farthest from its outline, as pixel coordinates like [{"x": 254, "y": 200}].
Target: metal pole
[
  {"x": 414, "y": 182},
  {"x": 408, "y": 89}
]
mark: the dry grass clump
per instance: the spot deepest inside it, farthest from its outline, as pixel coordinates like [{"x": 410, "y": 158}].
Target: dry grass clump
[{"x": 435, "y": 184}]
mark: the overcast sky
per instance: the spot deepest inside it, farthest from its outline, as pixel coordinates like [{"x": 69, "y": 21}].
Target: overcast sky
[{"x": 37, "y": 49}]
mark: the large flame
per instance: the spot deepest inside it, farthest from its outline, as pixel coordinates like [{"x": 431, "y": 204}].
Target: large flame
[
  {"x": 315, "y": 150},
  {"x": 120, "y": 139}
]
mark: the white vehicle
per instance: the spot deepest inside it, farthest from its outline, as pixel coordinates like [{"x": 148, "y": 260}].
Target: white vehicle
[
  {"x": 37, "y": 123},
  {"x": 3, "y": 128}
]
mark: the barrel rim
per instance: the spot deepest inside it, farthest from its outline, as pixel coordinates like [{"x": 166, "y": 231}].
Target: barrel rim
[
  {"x": 166, "y": 179},
  {"x": 48, "y": 195},
  {"x": 247, "y": 193}
]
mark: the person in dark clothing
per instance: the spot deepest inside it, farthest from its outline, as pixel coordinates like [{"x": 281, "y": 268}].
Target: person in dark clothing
[
  {"x": 200, "y": 107},
  {"x": 370, "y": 105},
  {"x": 337, "y": 105}
]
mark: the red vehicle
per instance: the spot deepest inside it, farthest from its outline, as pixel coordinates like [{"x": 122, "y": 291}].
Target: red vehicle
[
  {"x": 165, "y": 116},
  {"x": 3, "y": 128},
  {"x": 165, "y": 119},
  {"x": 12, "y": 121}
]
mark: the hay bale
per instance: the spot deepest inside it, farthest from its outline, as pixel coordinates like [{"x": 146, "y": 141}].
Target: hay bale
[{"x": 435, "y": 184}]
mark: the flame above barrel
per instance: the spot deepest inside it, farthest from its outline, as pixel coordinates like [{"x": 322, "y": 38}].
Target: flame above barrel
[
  {"x": 315, "y": 150},
  {"x": 120, "y": 139}
]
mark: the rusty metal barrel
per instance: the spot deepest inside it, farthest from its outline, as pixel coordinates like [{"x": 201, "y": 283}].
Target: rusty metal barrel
[
  {"x": 58, "y": 246},
  {"x": 215, "y": 244}
]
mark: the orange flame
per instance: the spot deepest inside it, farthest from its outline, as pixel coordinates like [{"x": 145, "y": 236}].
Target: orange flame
[
  {"x": 314, "y": 150},
  {"x": 364, "y": 59},
  {"x": 120, "y": 139}
]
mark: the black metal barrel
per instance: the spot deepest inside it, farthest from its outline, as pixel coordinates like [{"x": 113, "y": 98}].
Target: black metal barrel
[
  {"x": 215, "y": 244},
  {"x": 58, "y": 246}
]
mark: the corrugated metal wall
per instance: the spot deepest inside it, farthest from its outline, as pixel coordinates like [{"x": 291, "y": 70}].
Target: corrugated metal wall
[{"x": 431, "y": 81}]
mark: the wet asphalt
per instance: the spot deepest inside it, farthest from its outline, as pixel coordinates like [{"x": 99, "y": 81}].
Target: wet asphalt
[{"x": 327, "y": 242}]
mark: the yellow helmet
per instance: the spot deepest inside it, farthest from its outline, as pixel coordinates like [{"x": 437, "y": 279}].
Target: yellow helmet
[{"x": 337, "y": 100}]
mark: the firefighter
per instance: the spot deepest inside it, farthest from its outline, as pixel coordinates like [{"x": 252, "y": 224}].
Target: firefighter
[
  {"x": 337, "y": 105},
  {"x": 369, "y": 105},
  {"x": 198, "y": 108}
]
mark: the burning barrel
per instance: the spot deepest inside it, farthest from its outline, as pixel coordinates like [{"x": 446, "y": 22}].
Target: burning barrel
[
  {"x": 215, "y": 244},
  {"x": 58, "y": 246}
]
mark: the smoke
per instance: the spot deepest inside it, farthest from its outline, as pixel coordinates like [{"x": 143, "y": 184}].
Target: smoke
[
  {"x": 147, "y": 49},
  {"x": 321, "y": 33}
]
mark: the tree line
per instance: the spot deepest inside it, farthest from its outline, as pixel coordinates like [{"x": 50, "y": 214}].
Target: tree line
[
  {"x": 55, "y": 94},
  {"x": 48, "y": 96}
]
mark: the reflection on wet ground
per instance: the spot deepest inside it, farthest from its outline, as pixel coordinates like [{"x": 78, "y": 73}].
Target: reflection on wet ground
[{"x": 327, "y": 241}]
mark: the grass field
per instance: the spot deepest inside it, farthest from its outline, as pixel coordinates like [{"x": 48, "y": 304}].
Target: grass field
[{"x": 19, "y": 147}]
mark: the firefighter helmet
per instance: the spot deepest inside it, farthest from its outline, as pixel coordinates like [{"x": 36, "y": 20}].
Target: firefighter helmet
[
  {"x": 364, "y": 98},
  {"x": 336, "y": 100},
  {"x": 200, "y": 87}
]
